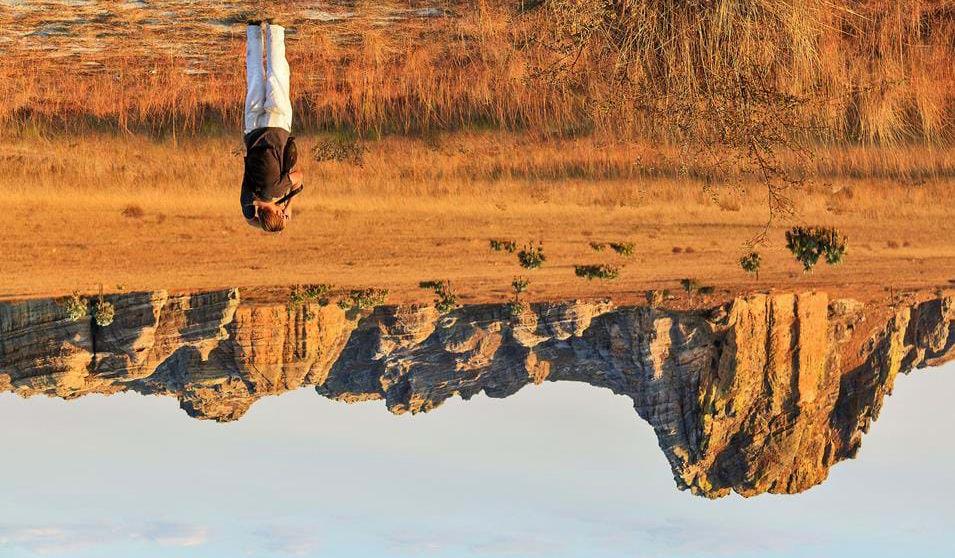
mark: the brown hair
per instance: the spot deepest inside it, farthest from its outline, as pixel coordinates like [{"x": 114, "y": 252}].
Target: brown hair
[{"x": 271, "y": 219}]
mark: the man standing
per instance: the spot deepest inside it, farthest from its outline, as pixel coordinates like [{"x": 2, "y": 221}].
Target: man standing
[{"x": 270, "y": 160}]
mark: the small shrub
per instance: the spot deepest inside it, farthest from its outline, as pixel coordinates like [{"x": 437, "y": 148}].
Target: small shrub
[
  {"x": 445, "y": 299},
  {"x": 808, "y": 244},
  {"x": 519, "y": 285},
  {"x": 515, "y": 308},
  {"x": 622, "y": 248},
  {"x": 501, "y": 245},
  {"x": 691, "y": 286},
  {"x": 677, "y": 250},
  {"x": 304, "y": 294},
  {"x": 600, "y": 271},
  {"x": 892, "y": 244},
  {"x": 654, "y": 298},
  {"x": 531, "y": 257},
  {"x": 342, "y": 150},
  {"x": 750, "y": 263},
  {"x": 76, "y": 307},
  {"x": 133, "y": 212},
  {"x": 360, "y": 299},
  {"x": 103, "y": 313},
  {"x": 597, "y": 246}
]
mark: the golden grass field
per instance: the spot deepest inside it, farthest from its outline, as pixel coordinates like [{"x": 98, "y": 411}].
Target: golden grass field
[
  {"x": 878, "y": 70},
  {"x": 165, "y": 214},
  {"x": 120, "y": 154}
]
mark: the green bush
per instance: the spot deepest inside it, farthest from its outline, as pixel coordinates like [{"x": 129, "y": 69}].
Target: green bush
[
  {"x": 502, "y": 245},
  {"x": 531, "y": 257},
  {"x": 303, "y": 294},
  {"x": 103, "y": 313},
  {"x": 750, "y": 263},
  {"x": 76, "y": 307},
  {"x": 360, "y": 299},
  {"x": 445, "y": 299},
  {"x": 623, "y": 248},
  {"x": 519, "y": 285},
  {"x": 600, "y": 271},
  {"x": 693, "y": 287},
  {"x": 690, "y": 285},
  {"x": 808, "y": 244},
  {"x": 516, "y": 307},
  {"x": 598, "y": 246}
]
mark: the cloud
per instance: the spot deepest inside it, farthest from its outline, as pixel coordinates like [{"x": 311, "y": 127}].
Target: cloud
[
  {"x": 690, "y": 537},
  {"x": 173, "y": 534},
  {"x": 289, "y": 541},
  {"x": 55, "y": 539},
  {"x": 482, "y": 544},
  {"x": 516, "y": 545},
  {"x": 70, "y": 538}
]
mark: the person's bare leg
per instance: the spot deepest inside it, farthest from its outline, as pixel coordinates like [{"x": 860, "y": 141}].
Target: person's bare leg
[
  {"x": 254, "y": 79},
  {"x": 278, "y": 102}
]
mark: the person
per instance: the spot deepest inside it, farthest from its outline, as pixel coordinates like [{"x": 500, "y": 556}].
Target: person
[{"x": 271, "y": 169}]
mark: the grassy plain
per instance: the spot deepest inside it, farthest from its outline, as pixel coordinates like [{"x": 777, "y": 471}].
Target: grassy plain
[
  {"x": 138, "y": 213},
  {"x": 120, "y": 157}
]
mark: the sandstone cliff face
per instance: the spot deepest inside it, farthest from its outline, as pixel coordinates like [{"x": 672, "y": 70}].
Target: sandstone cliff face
[{"x": 764, "y": 394}]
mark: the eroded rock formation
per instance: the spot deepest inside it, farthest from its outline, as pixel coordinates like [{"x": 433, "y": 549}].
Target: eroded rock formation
[{"x": 763, "y": 394}]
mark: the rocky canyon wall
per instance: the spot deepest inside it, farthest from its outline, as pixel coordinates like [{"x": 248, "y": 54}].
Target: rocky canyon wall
[{"x": 763, "y": 394}]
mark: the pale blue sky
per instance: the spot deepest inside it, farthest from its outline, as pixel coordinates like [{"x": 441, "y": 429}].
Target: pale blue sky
[{"x": 556, "y": 470}]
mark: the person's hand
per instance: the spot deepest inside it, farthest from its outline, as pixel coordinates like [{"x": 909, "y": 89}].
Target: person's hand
[{"x": 297, "y": 177}]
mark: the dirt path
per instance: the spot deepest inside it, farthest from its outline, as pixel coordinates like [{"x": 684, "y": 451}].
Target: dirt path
[{"x": 68, "y": 242}]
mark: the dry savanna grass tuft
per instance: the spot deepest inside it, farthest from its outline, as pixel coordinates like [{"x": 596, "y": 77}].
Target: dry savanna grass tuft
[
  {"x": 870, "y": 71},
  {"x": 133, "y": 212}
]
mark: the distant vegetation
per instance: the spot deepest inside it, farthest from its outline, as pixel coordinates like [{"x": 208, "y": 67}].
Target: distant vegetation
[
  {"x": 516, "y": 307},
  {"x": 503, "y": 245},
  {"x": 693, "y": 287},
  {"x": 306, "y": 295},
  {"x": 597, "y": 271},
  {"x": 656, "y": 298},
  {"x": 808, "y": 244},
  {"x": 76, "y": 307},
  {"x": 750, "y": 263},
  {"x": 623, "y": 248},
  {"x": 531, "y": 257},
  {"x": 103, "y": 311},
  {"x": 361, "y": 299},
  {"x": 445, "y": 300}
]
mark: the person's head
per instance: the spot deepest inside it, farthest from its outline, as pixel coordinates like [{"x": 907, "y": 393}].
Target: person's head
[{"x": 271, "y": 218}]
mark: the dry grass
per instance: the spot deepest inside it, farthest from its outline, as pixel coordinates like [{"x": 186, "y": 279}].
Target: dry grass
[
  {"x": 580, "y": 121},
  {"x": 422, "y": 209},
  {"x": 876, "y": 70}
]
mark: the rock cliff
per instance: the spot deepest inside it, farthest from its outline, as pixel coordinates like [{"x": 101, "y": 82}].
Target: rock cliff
[{"x": 763, "y": 394}]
